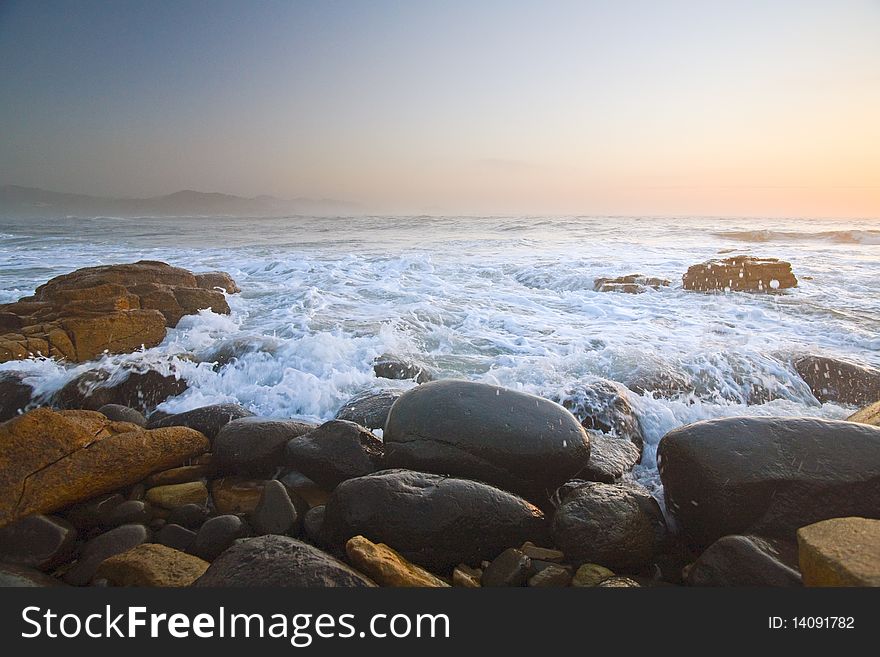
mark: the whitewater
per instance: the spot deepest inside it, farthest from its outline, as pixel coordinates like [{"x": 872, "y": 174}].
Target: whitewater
[{"x": 502, "y": 300}]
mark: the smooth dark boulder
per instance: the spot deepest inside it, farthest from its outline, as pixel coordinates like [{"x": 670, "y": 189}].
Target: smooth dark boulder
[
  {"x": 275, "y": 513},
  {"x": 434, "y": 521},
  {"x": 605, "y": 406},
  {"x": 389, "y": 366},
  {"x": 142, "y": 391},
  {"x": 37, "y": 541},
  {"x": 510, "y": 568},
  {"x": 768, "y": 475},
  {"x": 15, "y": 394},
  {"x": 120, "y": 413},
  {"x": 610, "y": 458},
  {"x": 835, "y": 380},
  {"x": 335, "y": 451},
  {"x": 217, "y": 534},
  {"x": 129, "y": 512},
  {"x": 313, "y": 527},
  {"x": 207, "y": 419},
  {"x": 742, "y": 561},
  {"x": 176, "y": 536},
  {"x": 191, "y": 516},
  {"x": 94, "y": 512},
  {"x": 619, "y": 526},
  {"x": 369, "y": 409},
  {"x": 486, "y": 433},
  {"x": 254, "y": 446},
  {"x": 102, "y": 547},
  {"x": 274, "y": 561}
]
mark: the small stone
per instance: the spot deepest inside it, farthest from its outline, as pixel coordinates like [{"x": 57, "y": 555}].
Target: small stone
[
  {"x": 510, "y": 568},
  {"x": 466, "y": 577},
  {"x": 175, "y": 495},
  {"x": 590, "y": 574},
  {"x": 190, "y": 516},
  {"x": 216, "y": 535},
  {"x": 22, "y": 576},
  {"x": 130, "y": 511},
  {"x": 102, "y": 547},
  {"x": 551, "y": 576},
  {"x": 840, "y": 552},
  {"x": 175, "y": 536},
  {"x": 120, "y": 413},
  {"x": 313, "y": 526},
  {"x": 181, "y": 475},
  {"x": 618, "y": 582},
  {"x": 151, "y": 564},
  {"x": 235, "y": 495},
  {"x": 39, "y": 541},
  {"x": 275, "y": 513},
  {"x": 386, "y": 567},
  {"x": 532, "y": 551},
  {"x": 137, "y": 492}
]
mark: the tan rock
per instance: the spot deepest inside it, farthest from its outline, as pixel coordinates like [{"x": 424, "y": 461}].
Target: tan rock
[
  {"x": 151, "y": 564},
  {"x": 236, "y": 495},
  {"x": 386, "y": 567},
  {"x": 868, "y": 415},
  {"x": 50, "y": 460},
  {"x": 840, "y": 552},
  {"x": 181, "y": 475},
  {"x": 631, "y": 284},
  {"x": 590, "y": 574},
  {"x": 211, "y": 280},
  {"x": 175, "y": 495},
  {"x": 467, "y": 577},
  {"x": 740, "y": 273}
]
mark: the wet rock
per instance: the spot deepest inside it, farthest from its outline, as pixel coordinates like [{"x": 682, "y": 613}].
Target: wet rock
[
  {"x": 190, "y": 516},
  {"x": 275, "y": 513},
  {"x": 467, "y": 577},
  {"x": 835, "y": 380},
  {"x": 254, "y": 446},
  {"x": 141, "y": 391},
  {"x": 610, "y": 458},
  {"x": 37, "y": 541},
  {"x": 129, "y": 512},
  {"x": 487, "y": 433},
  {"x": 335, "y": 451},
  {"x": 207, "y": 419},
  {"x": 216, "y": 535},
  {"x": 275, "y": 561},
  {"x": 233, "y": 495},
  {"x": 605, "y": 406},
  {"x": 617, "y": 525},
  {"x": 15, "y": 394},
  {"x": 12, "y": 575},
  {"x": 103, "y": 547},
  {"x": 388, "y": 366},
  {"x": 742, "y": 561},
  {"x": 233, "y": 349},
  {"x": 176, "y": 536},
  {"x": 175, "y": 495},
  {"x": 618, "y": 582},
  {"x": 180, "y": 475},
  {"x": 212, "y": 280},
  {"x": 740, "y": 274},
  {"x": 510, "y": 568},
  {"x": 631, "y": 284},
  {"x": 591, "y": 574},
  {"x": 840, "y": 552},
  {"x": 868, "y": 415},
  {"x": 50, "y": 460},
  {"x": 120, "y": 413},
  {"x": 434, "y": 521},
  {"x": 386, "y": 567},
  {"x": 151, "y": 564},
  {"x": 768, "y": 476},
  {"x": 369, "y": 409},
  {"x": 550, "y": 577}
]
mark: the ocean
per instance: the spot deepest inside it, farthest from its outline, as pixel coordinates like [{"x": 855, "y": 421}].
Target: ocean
[{"x": 503, "y": 300}]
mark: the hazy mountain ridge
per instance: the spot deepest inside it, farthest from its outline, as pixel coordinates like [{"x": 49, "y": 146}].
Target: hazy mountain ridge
[{"x": 21, "y": 201}]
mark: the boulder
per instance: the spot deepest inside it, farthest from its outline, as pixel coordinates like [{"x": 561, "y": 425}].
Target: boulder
[
  {"x": 605, "y": 406},
  {"x": 216, "y": 535},
  {"x": 175, "y": 495},
  {"x": 273, "y": 561},
  {"x": 868, "y": 415},
  {"x": 129, "y": 512},
  {"x": 151, "y": 564},
  {"x": 15, "y": 394},
  {"x": 93, "y": 513},
  {"x": 388, "y": 366},
  {"x": 510, "y": 568},
  {"x": 767, "y": 475},
  {"x": 486, "y": 433},
  {"x": 12, "y": 575},
  {"x": 275, "y": 513},
  {"x": 631, "y": 284},
  {"x": 50, "y": 460},
  {"x": 335, "y": 451},
  {"x": 551, "y": 577},
  {"x": 742, "y": 561},
  {"x": 176, "y": 536},
  {"x": 103, "y": 547},
  {"x": 212, "y": 280},
  {"x": 434, "y": 521},
  {"x": 37, "y": 541},
  {"x": 254, "y": 446},
  {"x": 207, "y": 419},
  {"x": 591, "y": 574},
  {"x": 466, "y": 577},
  {"x": 120, "y": 413},
  {"x": 386, "y": 567},
  {"x": 835, "y": 380},
  {"x": 840, "y": 552},
  {"x": 142, "y": 391},
  {"x": 190, "y": 516},
  {"x": 369, "y": 409},
  {"x": 617, "y": 525},
  {"x": 610, "y": 458},
  {"x": 740, "y": 274}
]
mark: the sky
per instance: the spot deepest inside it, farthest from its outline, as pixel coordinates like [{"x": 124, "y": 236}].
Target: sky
[{"x": 620, "y": 107}]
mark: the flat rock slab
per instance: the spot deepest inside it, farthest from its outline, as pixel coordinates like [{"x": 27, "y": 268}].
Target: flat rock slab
[
  {"x": 840, "y": 552},
  {"x": 151, "y": 564}
]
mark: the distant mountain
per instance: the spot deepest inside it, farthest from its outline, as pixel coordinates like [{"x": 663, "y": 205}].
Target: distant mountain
[{"x": 34, "y": 202}]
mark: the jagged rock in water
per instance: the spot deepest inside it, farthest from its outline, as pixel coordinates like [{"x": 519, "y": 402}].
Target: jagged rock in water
[{"x": 740, "y": 274}]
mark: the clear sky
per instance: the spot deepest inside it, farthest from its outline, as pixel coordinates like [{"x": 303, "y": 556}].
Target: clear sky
[{"x": 767, "y": 108}]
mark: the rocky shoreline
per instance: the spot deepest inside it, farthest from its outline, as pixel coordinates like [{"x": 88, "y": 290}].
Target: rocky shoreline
[{"x": 470, "y": 485}]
